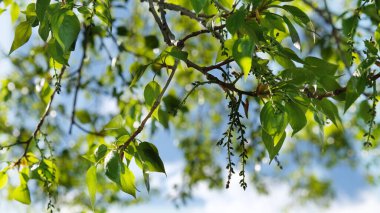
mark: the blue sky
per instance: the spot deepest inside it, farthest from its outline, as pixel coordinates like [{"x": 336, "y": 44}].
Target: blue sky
[{"x": 353, "y": 193}]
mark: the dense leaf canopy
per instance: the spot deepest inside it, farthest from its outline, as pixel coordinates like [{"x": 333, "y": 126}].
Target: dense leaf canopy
[{"x": 92, "y": 81}]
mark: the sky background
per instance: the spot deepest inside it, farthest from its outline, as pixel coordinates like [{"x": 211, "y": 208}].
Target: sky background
[{"x": 353, "y": 193}]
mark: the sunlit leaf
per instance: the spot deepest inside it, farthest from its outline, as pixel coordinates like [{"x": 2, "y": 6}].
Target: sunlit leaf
[
  {"x": 15, "y": 11},
  {"x": 127, "y": 181},
  {"x": 242, "y": 53},
  {"x": 91, "y": 181},
  {"x": 3, "y": 179},
  {"x": 273, "y": 144},
  {"x": 22, "y": 34},
  {"x": 21, "y": 193}
]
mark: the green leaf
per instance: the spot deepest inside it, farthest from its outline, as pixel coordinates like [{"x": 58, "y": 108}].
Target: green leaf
[
  {"x": 274, "y": 118},
  {"x": 22, "y": 193},
  {"x": 138, "y": 73},
  {"x": 293, "y": 33},
  {"x": 273, "y": 144},
  {"x": 377, "y": 3},
  {"x": 297, "y": 14},
  {"x": 151, "y": 92},
  {"x": 320, "y": 67},
  {"x": 15, "y": 11},
  {"x": 89, "y": 157},
  {"x": 41, "y": 8},
  {"x": 46, "y": 170},
  {"x": 146, "y": 180},
  {"x": 355, "y": 87},
  {"x": 242, "y": 53},
  {"x": 2, "y": 10},
  {"x": 235, "y": 21},
  {"x": 328, "y": 83},
  {"x": 284, "y": 61},
  {"x": 163, "y": 118},
  {"x": 329, "y": 109},
  {"x": 254, "y": 31},
  {"x": 3, "y": 179},
  {"x": 31, "y": 15},
  {"x": 150, "y": 157},
  {"x": 112, "y": 166},
  {"x": 273, "y": 21},
  {"x": 44, "y": 29},
  {"x": 290, "y": 54},
  {"x": 226, "y": 3},
  {"x": 84, "y": 10},
  {"x": 297, "y": 118},
  {"x": 83, "y": 116},
  {"x": 103, "y": 12},
  {"x": 115, "y": 123},
  {"x": 178, "y": 54},
  {"x": 127, "y": 181},
  {"x": 151, "y": 42},
  {"x": 65, "y": 28},
  {"x": 100, "y": 152},
  {"x": 46, "y": 92},
  {"x": 198, "y": 5},
  {"x": 91, "y": 181},
  {"x": 349, "y": 25},
  {"x": 22, "y": 34},
  {"x": 56, "y": 52}
]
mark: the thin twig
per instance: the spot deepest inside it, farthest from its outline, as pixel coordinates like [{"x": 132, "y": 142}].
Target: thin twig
[
  {"x": 153, "y": 108},
  {"x": 79, "y": 71},
  {"x": 197, "y": 33},
  {"x": 88, "y": 131},
  {"x": 327, "y": 17},
  {"x": 42, "y": 119}
]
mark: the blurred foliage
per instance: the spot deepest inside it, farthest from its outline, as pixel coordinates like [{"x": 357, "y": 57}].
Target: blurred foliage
[{"x": 232, "y": 80}]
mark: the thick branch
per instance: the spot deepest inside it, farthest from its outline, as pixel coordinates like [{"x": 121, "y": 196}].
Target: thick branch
[{"x": 164, "y": 30}]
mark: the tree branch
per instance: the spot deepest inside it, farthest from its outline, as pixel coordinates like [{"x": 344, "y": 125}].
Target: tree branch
[
  {"x": 42, "y": 119},
  {"x": 79, "y": 71},
  {"x": 154, "y": 107},
  {"x": 164, "y": 31},
  {"x": 196, "y": 33},
  {"x": 88, "y": 131},
  {"x": 334, "y": 31}
]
